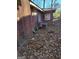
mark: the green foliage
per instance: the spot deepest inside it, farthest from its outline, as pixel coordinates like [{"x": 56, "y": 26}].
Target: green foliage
[{"x": 57, "y": 13}]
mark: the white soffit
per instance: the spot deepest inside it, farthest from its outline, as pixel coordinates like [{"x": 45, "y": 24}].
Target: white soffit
[{"x": 35, "y": 6}]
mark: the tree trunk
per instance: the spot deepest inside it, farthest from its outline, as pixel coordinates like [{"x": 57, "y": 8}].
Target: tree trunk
[
  {"x": 25, "y": 8},
  {"x": 25, "y": 20}
]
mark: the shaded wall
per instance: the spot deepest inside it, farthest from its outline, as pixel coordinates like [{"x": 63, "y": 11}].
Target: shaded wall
[{"x": 25, "y": 25}]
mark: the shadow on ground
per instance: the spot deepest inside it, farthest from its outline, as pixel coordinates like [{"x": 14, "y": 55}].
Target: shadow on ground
[{"x": 43, "y": 45}]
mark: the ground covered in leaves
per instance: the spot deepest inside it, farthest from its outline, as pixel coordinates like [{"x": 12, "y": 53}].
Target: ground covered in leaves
[{"x": 45, "y": 44}]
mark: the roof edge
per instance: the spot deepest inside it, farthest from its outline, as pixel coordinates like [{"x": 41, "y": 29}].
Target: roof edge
[{"x": 34, "y": 5}]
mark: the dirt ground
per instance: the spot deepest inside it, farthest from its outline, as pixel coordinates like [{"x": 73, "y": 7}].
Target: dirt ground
[{"x": 45, "y": 44}]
